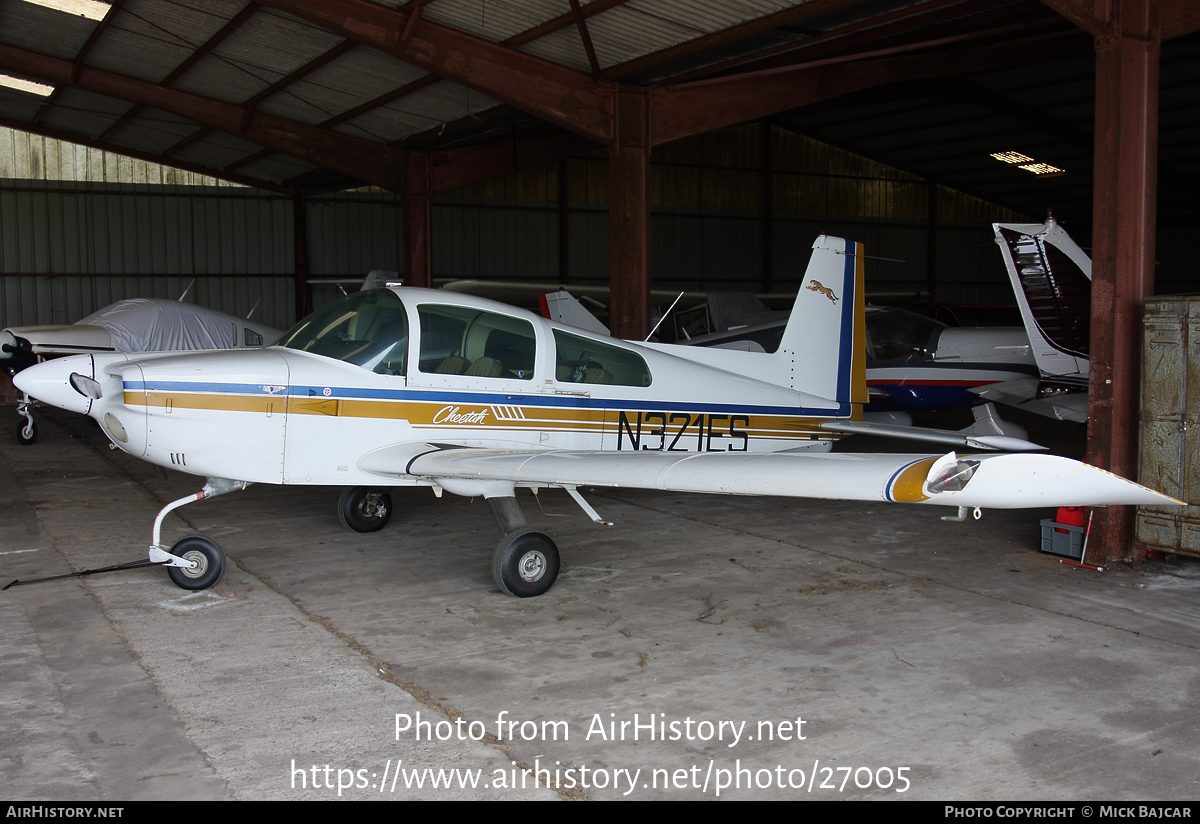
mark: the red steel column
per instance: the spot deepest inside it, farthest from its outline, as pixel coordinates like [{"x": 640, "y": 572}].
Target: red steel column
[
  {"x": 1123, "y": 230},
  {"x": 629, "y": 216},
  {"x": 418, "y": 221}
]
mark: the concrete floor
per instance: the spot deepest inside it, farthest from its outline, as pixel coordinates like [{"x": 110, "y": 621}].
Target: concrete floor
[{"x": 948, "y": 659}]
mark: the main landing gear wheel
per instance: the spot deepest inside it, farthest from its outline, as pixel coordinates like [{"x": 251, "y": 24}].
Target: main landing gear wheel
[
  {"x": 24, "y": 431},
  {"x": 525, "y": 563},
  {"x": 365, "y": 509},
  {"x": 209, "y": 559}
]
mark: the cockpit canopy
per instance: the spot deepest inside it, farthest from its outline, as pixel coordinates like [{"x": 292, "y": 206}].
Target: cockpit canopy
[{"x": 370, "y": 329}]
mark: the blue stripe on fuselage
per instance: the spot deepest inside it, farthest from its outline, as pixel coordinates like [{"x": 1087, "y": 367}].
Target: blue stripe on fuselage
[{"x": 481, "y": 398}]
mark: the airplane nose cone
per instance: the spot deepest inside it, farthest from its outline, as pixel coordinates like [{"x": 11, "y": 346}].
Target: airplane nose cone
[{"x": 51, "y": 383}]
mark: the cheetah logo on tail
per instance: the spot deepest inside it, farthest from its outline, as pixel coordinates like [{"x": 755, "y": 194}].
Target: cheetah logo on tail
[{"x": 817, "y": 286}]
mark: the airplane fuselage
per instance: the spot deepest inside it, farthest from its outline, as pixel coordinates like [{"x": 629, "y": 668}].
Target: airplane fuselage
[{"x": 293, "y": 416}]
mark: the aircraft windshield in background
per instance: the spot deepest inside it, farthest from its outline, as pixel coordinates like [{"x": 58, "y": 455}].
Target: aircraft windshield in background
[
  {"x": 415, "y": 387},
  {"x": 133, "y": 325}
]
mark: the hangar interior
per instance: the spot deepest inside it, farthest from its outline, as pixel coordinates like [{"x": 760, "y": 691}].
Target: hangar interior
[{"x": 244, "y": 149}]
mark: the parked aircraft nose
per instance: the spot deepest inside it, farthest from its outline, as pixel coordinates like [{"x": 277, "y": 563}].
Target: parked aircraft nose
[{"x": 68, "y": 383}]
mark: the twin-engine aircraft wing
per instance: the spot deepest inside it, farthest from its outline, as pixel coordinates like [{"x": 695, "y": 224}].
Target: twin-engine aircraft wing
[{"x": 1007, "y": 481}]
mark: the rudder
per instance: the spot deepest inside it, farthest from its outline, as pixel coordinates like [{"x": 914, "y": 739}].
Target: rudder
[{"x": 825, "y": 338}]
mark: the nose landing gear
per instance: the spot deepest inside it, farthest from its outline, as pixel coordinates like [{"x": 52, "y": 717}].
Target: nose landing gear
[{"x": 194, "y": 562}]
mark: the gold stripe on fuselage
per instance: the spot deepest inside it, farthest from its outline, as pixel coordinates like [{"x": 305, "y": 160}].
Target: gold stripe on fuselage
[{"x": 631, "y": 425}]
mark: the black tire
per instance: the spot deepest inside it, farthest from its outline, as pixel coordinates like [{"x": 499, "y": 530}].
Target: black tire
[
  {"x": 364, "y": 508},
  {"x": 206, "y": 553},
  {"x": 525, "y": 564},
  {"x": 18, "y": 432}
]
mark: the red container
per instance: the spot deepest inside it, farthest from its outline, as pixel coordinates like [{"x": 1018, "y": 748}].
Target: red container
[{"x": 1070, "y": 515}]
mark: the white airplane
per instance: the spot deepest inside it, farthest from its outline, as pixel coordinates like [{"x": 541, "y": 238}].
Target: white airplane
[
  {"x": 133, "y": 325},
  {"x": 415, "y": 387},
  {"x": 1052, "y": 279}
]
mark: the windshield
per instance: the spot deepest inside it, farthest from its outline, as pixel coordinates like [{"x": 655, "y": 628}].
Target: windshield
[
  {"x": 368, "y": 329},
  {"x": 896, "y": 334}
]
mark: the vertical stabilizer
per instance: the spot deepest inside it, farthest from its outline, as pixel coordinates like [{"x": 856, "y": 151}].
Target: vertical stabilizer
[
  {"x": 825, "y": 338},
  {"x": 564, "y": 307},
  {"x": 1052, "y": 279}
]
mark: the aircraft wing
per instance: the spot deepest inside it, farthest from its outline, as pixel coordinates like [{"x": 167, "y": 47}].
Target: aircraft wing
[
  {"x": 1008, "y": 481},
  {"x": 54, "y": 340},
  {"x": 1023, "y": 394},
  {"x": 949, "y": 437}
]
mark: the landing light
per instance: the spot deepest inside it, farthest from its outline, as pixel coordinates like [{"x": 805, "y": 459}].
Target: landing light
[{"x": 114, "y": 428}]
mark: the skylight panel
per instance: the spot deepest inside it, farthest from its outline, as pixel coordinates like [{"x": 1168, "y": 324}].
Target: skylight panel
[
  {"x": 91, "y": 9},
  {"x": 40, "y": 89},
  {"x": 1011, "y": 157},
  {"x": 1041, "y": 169},
  {"x": 1028, "y": 164}
]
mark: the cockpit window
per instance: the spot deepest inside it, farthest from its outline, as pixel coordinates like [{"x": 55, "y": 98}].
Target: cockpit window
[
  {"x": 583, "y": 360},
  {"x": 368, "y": 329},
  {"x": 458, "y": 340}
]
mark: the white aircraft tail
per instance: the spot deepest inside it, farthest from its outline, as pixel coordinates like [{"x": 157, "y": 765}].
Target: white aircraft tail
[
  {"x": 824, "y": 343},
  {"x": 822, "y": 352},
  {"x": 563, "y": 307},
  {"x": 1052, "y": 279}
]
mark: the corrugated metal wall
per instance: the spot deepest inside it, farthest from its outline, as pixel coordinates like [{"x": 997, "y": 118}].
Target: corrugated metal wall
[
  {"x": 739, "y": 208},
  {"x": 66, "y": 252}
]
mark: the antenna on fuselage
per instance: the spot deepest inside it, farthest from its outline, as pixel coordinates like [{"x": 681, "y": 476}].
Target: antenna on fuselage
[
  {"x": 664, "y": 317},
  {"x": 188, "y": 289}
]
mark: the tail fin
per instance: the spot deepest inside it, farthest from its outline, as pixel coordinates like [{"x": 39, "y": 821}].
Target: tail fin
[
  {"x": 825, "y": 338},
  {"x": 1052, "y": 279},
  {"x": 564, "y": 307},
  {"x": 823, "y": 349}
]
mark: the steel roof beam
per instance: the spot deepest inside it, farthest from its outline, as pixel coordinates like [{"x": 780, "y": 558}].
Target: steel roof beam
[
  {"x": 692, "y": 108},
  {"x": 195, "y": 57},
  {"x": 359, "y": 159},
  {"x": 349, "y": 114},
  {"x": 307, "y": 69},
  {"x": 1178, "y": 17},
  {"x": 845, "y": 37},
  {"x": 101, "y": 27},
  {"x": 134, "y": 153},
  {"x": 1089, "y": 15},
  {"x": 563, "y": 96},
  {"x": 581, "y": 24},
  {"x": 785, "y": 17}
]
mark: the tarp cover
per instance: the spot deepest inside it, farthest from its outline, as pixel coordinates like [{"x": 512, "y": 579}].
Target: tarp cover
[{"x": 153, "y": 325}]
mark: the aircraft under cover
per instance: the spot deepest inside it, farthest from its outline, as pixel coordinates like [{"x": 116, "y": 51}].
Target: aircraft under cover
[{"x": 400, "y": 386}]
